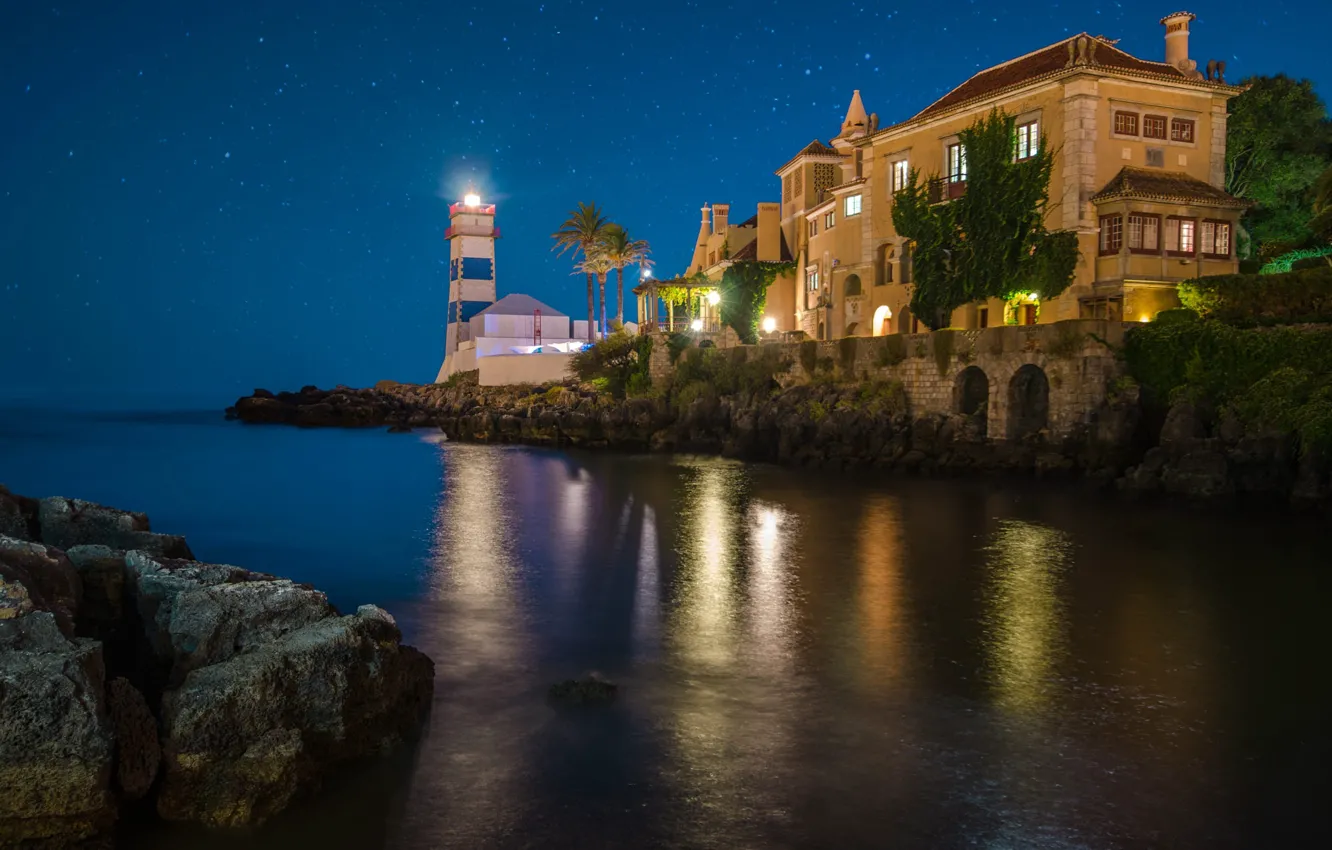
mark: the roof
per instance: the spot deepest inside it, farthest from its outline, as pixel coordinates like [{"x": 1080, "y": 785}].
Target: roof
[
  {"x": 1168, "y": 186},
  {"x": 1059, "y": 56},
  {"x": 516, "y": 304},
  {"x": 752, "y": 221},
  {"x": 814, "y": 148},
  {"x": 749, "y": 253}
]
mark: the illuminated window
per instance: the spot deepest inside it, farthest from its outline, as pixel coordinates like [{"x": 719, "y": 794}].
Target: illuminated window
[
  {"x": 1112, "y": 233},
  {"x": 1126, "y": 123},
  {"x": 1214, "y": 239},
  {"x": 1181, "y": 130},
  {"x": 1181, "y": 236},
  {"x": 812, "y": 278},
  {"x": 957, "y": 163},
  {"x": 852, "y": 205},
  {"x": 1144, "y": 233},
  {"x": 901, "y": 175},
  {"x": 1153, "y": 127},
  {"x": 1028, "y": 140}
]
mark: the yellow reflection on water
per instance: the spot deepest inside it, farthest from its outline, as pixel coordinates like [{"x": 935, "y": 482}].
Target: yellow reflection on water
[
  {"x": 882, "y": 619},
  {"x": 707, "y": 605},
  {"x": 1024, "y": 623},
  {"x": 771, "y": 613}
]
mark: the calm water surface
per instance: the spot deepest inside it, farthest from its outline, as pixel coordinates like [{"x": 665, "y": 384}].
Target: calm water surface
[{"x": 806, "y": 660}]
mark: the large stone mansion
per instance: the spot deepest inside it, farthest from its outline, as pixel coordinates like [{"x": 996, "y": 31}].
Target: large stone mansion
[{"x": 1138, "y": 174}]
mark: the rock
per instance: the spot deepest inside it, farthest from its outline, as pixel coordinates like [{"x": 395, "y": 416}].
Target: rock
[
  {"x": 55, "y": 738},
  {"x": 1182, "y": 424},
  {"x": 588, "y": 690},
  {"x": 242, "y": 737},
  {"x": 1201, "y": 474},
  {"x": 49, "y": 579},
  {"x": 1146, "y": 476},
  {"x": 400, "y": 428},
  {"x": 18, "y": 516},
  {"x": 101, "y": 571},
  {"x": 137, "y": 751},
  {"x": 73, "y": 522},
  {"x": 195, "y": 614}
]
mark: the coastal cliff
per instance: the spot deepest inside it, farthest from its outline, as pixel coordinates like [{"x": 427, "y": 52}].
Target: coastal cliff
[{"x": 131, "y": 671}]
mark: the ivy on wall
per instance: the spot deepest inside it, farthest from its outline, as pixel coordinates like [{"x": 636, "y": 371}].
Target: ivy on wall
[
  {"x": 744, "y": 294},
  {"x": 991, "y": 242}
]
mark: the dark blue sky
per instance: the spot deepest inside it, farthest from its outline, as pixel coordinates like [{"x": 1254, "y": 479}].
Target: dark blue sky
[{"x": 206, "y": 197}]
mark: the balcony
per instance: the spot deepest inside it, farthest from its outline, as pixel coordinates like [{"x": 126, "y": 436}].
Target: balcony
[{"x": 940, "y": 190}]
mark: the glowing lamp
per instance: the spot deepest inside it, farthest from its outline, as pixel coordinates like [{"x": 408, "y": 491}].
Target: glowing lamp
[
  {"x": 696, "y": 325},
  {"x": 472, "y": 199},
  {"x": 647, "y": 273},
  {"x": 1144, "y": 318},
  {"x": 1031, "y": 296},
  {"x": 769, "y": 324},
  {"x": 714, "y": 298}
]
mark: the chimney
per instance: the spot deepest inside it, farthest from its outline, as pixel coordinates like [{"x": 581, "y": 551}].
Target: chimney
[
  {"x": 1177, "y": 40},
  {"x": 720, "y": 212},
  {"x": 769, "y": 233}
]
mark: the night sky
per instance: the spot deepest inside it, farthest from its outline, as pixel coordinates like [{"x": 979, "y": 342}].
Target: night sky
[{"x": 200, "y": 198}]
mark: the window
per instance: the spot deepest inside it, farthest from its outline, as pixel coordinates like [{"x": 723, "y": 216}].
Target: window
[
  {"x": 957, "y": 163},
  {"x": 852, "y": 205},
  {"x": 1181, "y": 130},
  {"x": 860, "y": 163},
  {"x": 1153, "y": 127},
  {"x": 983, "y": 317},
  {"x": 1112, "y": 233},
  {"x": 1144, "y": 233},
  {"x": 829, "y": 220},
  {"x": 798, "y": 185},
  {"x": 1028, "y": 140},
  {"x": 1126, "y": 123},
  {"x": 812, "y": 278},
  {"x": 1181, "y": 236},
  {"x": 901, "y": 175},
  {"x": 825, "y": 177},
  {"x": 712, "y": 258},
  {"x": 1214, "y": 239},
  {"x": 813, "y": 227}
]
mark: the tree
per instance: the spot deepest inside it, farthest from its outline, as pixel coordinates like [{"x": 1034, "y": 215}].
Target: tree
[
  {"x": 599, "y": 265},
  {"x": 623, "y": 251},
  {"x": 991, "y": 242},
  {"x": 1278, "y": 141},
  {"x": 1321, "y": 223},
  {"x": 744, "y": 293},
  {"x": 580, "y": 233}
]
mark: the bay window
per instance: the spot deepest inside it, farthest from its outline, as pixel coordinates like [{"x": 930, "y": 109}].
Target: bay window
[{"x": 1112, "y": 233}]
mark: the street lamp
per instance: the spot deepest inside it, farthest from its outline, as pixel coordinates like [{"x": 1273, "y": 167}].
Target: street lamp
[
  {"x": 696, "y": 325},
  {"x": 769, "y": 324},
  {"x": 714, "y": 298}
]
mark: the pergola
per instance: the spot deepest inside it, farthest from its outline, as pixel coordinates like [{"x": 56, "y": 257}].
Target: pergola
[{"x": 649, "y": 301}]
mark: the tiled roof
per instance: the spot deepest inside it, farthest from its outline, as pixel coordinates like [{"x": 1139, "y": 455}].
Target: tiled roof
[
  {"x": 752, "y": 221},
  {"x": 1166, "y": 186},
  {"x": 749, "y": 252},
  {"x": 817, "y": 148},
  {"x": 1048, "y": 60}
]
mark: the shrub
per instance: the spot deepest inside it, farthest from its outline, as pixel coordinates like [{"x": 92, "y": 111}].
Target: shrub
[
  {"x": 676, "y": 343},
  {"x": 1262, "y": 299},
  {"x": 1176, "y": 314},
  {"x": 892, "y": 352},
  {"x": 612, "y": 364},
  {"x": 722, "y": 372},
  {"x": 1290, "y": 400}
]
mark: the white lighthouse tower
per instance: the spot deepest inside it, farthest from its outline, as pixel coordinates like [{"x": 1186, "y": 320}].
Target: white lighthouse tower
[{"x": 471, "y": 236}]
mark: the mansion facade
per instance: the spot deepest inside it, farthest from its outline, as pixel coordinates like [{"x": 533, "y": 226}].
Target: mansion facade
[{"x": 1139, "y": 174}]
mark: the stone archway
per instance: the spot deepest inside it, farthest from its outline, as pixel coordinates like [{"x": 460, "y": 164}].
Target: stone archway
[
  {"x": 1028, "y": 402},
  {"x": 883, "y": 318},
  {"x": 971, "y": 397}
]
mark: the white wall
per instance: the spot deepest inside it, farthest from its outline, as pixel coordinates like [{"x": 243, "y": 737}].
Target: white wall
[{"x": 502, "y": 370}]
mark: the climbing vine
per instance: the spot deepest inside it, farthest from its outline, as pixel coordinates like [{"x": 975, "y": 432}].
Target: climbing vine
[
  {"x": 991, "y": 242},
  {"x": 744, "y": 294}
]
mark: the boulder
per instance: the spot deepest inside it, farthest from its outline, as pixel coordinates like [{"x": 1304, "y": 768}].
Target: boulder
[
  {"x": 242, "y": 737},
  {"x": 1200, "y": 474},
  {"x": 73, "y": 522},
  {"x": 49, "y": 580},
  {"x": 137, "y": 751},
  {"x": 18, "y": 516},
  {"x": 55, "y": 737},
  {"x": 195, "y": 614},
  {"x": 1182, "y": 424},
  {"x": 101, "y": 571}
]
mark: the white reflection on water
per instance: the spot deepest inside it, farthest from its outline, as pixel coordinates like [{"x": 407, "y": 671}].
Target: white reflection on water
[
  {"x": 770, "y": 610},
  {"x": 647, "y": 589},
  {"x": 707, "y": 603},
  {"x": 1025, "y": 624}
]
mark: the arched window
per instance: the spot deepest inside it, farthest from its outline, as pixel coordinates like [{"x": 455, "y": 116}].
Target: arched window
[
  {"x": 883, "y": 321},
  {"x": 853, "y": 284}
]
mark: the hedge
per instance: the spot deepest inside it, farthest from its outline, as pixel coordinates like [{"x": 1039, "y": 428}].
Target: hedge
[{"x": 1303, "y": 296}]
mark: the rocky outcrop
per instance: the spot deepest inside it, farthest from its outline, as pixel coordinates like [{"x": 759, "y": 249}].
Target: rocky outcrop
[{"x": 257, "y": 684}]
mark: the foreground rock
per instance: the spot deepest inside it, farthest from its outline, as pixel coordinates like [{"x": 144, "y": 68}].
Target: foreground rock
[{"x": 127, "y": 670}]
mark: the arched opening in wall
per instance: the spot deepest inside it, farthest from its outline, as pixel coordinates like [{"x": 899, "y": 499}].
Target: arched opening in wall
[
  {"x": 852, "y": 328},
  {"x": 1028, "y": 402},
  {"x": 887, "y": 256},
  {"x": 821, "y": 331},
  {"x": 853, "y": 285},
  {"x": 883, "y": 321},
  {"x": 971, "y": 397},
  {"x": 904, "y": 321}
]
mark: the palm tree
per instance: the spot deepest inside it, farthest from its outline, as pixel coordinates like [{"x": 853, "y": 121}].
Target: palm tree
[
  {"x": 581, "y": 232},
  {"x": 598, "y": 264},
  {"x": 622, "y": 251}
]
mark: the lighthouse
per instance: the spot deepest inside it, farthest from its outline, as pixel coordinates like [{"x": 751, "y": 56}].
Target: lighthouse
[{"x": 471, "y": 235}]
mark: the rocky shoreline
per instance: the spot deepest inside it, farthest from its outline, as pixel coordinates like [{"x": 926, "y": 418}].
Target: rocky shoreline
[
  {"x": 133, "y": 674},
  {"x": 840, "y": 425}
]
